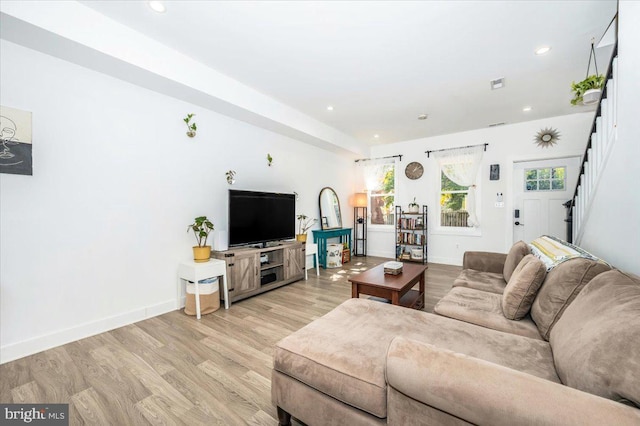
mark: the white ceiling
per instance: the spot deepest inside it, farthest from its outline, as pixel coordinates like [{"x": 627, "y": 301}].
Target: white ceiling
[{"x": 381, "y": 64}]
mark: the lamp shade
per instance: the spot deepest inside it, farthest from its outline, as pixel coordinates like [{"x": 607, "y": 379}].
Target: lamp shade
[{"x": 360, "y": 199}]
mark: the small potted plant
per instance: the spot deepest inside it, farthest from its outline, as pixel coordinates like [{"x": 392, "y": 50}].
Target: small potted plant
[
  {"x": 413, "y": 206},
  {"x": 587, "y": 91},
  {"x": 304, "y": 225},
  {"x": 201, "y": 227}
]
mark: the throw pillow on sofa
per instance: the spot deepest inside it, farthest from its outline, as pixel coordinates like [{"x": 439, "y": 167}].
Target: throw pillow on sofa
[
  {"x": 562, "y": 285},
  {"x": 515, "y": 255},
  {"x": 522, "y": 288}
]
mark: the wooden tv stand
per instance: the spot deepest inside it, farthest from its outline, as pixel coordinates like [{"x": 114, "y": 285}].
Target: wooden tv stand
[{"x": 248, "y": 277}]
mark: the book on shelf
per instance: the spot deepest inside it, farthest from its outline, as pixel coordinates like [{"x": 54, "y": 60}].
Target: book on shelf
[{"x": 410, "y": 238}]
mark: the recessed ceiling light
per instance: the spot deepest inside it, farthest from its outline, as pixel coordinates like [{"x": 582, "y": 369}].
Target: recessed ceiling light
[
  {"x": 422, "y": 117},
  {"x": 526, "y": 109},
  {"x": 329, "y": 108},
  {"x": 376, "y": 136},
  {"x": 157, "y": 6},
  {"x": 542, "y": 50}
]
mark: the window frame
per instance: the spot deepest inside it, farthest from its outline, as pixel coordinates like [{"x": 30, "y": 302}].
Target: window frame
[
  {"x": 550, "y": 179},
  {"x": 438, "y": 229}
]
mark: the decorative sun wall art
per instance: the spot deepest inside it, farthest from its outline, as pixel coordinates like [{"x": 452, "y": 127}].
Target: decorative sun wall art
[
  {"x": 15, "y": 141},
  {"x": 547, "y": 137}
]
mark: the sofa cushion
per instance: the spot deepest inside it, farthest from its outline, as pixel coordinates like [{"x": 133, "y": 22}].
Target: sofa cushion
[
  {"x": 485, "y": 281},
  {"x": 560, "y": 288},
  {"x": 515, "y": 255},
  {"x": 483, "y": 309},
  {"x": 342, "y": 354},
  {"x": 523, "y": 287},
  {"x": 596, "y": 343}
]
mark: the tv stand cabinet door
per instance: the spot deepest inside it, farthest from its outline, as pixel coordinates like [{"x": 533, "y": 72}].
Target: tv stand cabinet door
[
  {"x": 244, "y": 273},
  {"x": 294, "y": 262}
]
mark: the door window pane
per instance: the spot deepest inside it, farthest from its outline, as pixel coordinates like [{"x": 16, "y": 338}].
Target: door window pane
[{"x": 545, "y": 179}]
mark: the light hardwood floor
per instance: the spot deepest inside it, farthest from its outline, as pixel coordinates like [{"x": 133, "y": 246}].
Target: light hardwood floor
[{"x": 175, "y": 370}]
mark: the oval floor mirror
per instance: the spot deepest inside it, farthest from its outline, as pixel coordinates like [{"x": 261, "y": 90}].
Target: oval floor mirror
[{"x": 330, "y": 215}]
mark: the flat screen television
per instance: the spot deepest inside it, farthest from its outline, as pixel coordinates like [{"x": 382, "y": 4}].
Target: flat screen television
[{"x": 260, "y": 217}]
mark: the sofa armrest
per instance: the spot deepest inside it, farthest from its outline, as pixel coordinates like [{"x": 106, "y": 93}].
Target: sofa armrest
[
  {"x": 481, "y": 392},
  {"x": 484, "y": 261}
]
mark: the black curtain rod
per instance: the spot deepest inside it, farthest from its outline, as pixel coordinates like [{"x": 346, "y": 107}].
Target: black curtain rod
[
  {"x": 459, "y": 147},
  {"x": 379, "y": 158}
]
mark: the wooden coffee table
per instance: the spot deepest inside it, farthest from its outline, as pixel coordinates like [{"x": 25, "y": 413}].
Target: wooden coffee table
[{"x": 397, "y": 288}]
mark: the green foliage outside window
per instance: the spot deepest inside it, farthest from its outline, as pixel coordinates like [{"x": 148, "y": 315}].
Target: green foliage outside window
[
  {"x": 545, "y": 179},
  {"x": 450, "y": 200},
  {"x": 383, "y": 198}
]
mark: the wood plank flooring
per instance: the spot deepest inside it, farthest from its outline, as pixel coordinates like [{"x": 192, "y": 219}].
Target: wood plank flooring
[{"x": 175, "y": 370}]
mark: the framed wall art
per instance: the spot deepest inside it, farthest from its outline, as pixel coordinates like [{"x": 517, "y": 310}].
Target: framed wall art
[{"x": 15, "y": 141}]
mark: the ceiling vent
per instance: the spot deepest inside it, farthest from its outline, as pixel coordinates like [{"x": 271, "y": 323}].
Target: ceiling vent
[
  {"x": 497, "y": 124},
  {"x": 498, "y": 83}
]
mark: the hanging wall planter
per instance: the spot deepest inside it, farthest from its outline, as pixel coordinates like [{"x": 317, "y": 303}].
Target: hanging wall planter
[
  {"x": 190, "y": 126},
  {"x": 588, "y": 91},
  {"x": 231, "y": 177}
]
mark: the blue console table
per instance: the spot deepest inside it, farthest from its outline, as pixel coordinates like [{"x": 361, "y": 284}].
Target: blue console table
[{"x": 320, "y": 237}]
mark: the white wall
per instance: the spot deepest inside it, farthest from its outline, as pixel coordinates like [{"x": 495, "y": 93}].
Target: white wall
[
  {"x": 612, "y": 229},
  {"x": 91, "y": 241},
  {"x": 506, "y": 144},
  {"x": 73, "y": 32}
]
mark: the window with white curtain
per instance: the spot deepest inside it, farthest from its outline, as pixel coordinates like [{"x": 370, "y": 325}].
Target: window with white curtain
[
  {"x": 458, "y": 173},
  {"x": 453, "y": 203}
]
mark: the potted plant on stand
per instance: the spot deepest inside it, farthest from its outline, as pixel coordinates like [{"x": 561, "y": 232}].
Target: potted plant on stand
[
  {"x": 304, "y": 225},
  {"x": 201, "y": 227},
  {"x": 587, "y": 91},
  {"x": 414, "y": 207}
]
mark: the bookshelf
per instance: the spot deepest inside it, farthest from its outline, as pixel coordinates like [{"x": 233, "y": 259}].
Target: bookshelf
[{"x": 411, "y": 235}]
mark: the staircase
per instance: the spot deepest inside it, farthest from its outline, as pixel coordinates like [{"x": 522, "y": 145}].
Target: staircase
[{"x": 603, "y": 136}]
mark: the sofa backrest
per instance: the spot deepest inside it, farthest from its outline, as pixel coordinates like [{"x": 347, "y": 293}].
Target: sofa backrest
[
  {"x": 596, "y": 343},
  {"x": 560, "y": 288}
]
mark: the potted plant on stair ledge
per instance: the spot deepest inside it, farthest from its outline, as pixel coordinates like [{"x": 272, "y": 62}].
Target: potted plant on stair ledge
[{"x": 201, "y": 227}]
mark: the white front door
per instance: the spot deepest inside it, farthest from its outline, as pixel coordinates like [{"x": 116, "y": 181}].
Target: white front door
[{"x": 540, "y": 188}]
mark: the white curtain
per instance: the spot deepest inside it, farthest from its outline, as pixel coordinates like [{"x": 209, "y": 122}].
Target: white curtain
[
  {"x": 461, "y": 166},
  {"x": 373, "y": 171}
]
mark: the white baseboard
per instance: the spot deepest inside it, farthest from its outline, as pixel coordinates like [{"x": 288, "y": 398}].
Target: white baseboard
[
  {"x": 34, "y": 345},
  {"x": 445, "y": 260},
  {"x": 386, "y": 253}
]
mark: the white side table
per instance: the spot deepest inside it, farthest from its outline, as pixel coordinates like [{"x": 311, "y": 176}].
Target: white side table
[
  {"x": 311, "y": 250},
  {"x": 196, "y": 271}
]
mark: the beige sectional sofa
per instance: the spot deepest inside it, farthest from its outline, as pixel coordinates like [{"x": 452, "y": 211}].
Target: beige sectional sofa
[
  {"x": 477, "y": 294},
  {"x": 368, "y": 362}
]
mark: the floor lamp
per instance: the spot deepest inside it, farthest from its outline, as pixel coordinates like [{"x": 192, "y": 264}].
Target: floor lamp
[{"x": 360, "y": 224}]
